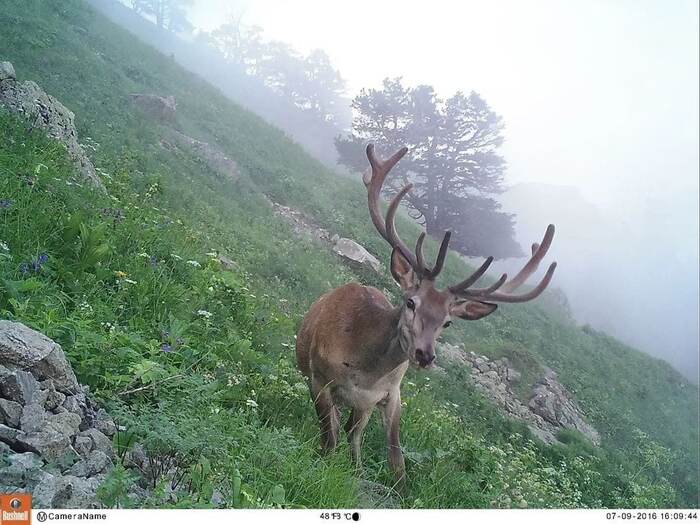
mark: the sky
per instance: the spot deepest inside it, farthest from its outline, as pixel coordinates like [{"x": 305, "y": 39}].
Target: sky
[{"x": 600, "y": 97}]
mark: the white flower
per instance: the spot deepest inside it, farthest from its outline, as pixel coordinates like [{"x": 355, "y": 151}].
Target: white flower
[
  {"x": 176, "y": 257},
  {"x": 212, "y": 254},
  {"x": 204, "y": 313},
  {"x": 130, "y": 281},
  {"x": 251, "y": 403},
  {"x": 145, "y": 255},
  {"x": 194, "y": 263},
  {"x": 4, "y": 247}
]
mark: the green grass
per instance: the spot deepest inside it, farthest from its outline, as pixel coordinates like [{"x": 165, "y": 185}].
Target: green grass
[{"x": 227, "y": 402}]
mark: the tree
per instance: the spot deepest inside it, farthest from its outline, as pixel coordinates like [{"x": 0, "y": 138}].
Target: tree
[
  {"x": 453, "y": 161},
  {"x": 168, "y": 14}
]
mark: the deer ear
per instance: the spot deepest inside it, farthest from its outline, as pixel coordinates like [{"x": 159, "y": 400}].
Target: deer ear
[
  {"x": 472, "y": 310},
  {"x": 402, "y": 271}
]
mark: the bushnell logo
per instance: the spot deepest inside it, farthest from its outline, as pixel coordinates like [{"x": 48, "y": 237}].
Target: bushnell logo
[{"x": 15, "y": 509}]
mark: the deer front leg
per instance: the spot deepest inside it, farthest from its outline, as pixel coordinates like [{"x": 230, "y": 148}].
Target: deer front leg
[
  {"x": 355, "y": 426},
  {"x": 391, "y": 417},
  {"x": 328, "y": 415}
]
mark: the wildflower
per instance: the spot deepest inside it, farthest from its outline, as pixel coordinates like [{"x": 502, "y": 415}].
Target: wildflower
[
  {"x": 4, "y": 247},
  {"x": 165, "y": 347},
  {"x": 42, "y": 259},
  {"x": 251, "y": 403},
  {"x": 5, "y": 203},
  {"x": 120, "y": 274},
  {"x": 144, "y": 255},
  {"x": 204, "y": 313},
  {"x": 24, "y": 268},
  {"x": 130, "y": 281},
  {"x": 176, "y": 257},
  {"x": 194, "y": 263},
  {"x": 212, "y": 254},
  {"x": 153, "y": 260}
]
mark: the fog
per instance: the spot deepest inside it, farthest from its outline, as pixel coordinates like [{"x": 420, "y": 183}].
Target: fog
[{"x": 600, "y": 101}]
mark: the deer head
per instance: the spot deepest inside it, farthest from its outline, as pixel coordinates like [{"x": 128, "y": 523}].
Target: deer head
[{"x": 425, "y": 310}]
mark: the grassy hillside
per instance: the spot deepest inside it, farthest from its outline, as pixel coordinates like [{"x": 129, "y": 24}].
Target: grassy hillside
[{"x": 194, "y": 360}]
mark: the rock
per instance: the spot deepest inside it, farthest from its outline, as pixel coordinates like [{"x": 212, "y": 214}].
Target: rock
[
  {"x": 72, "y": 404},
  {"x": 512, "y": 375},
  {"x": 82, "y": 445},
  {"x": 483, "y": 367},
  {"x": 54, "y": 398},
  {"x": 9, "y": 435},
  {"x": 226, "y": 263},
  {"x": 45, "y": 112},
  {"x": 99, "y": 441},
  {"x": 10, "y": 412},
  {"x": 161, "y": 108},
  {"x": 356, "y": 254},
  {"x": 7, "y": 71},
  {"x": 51, "y": 445},
  {"x": 301, "y": 224},
  {"x": 29, "y": 350},
  {"x": 19, "y": 386},
  {"x": 213, "y": 157},
  {"x": 372, "y": 495},
  {"x": 53, "y": 492},
  {"x": 95, "y": 463},
  {"x": 23, "y": 470},
  {"x": 65, "y": 423},
  {"x": 104, "y": 423},
  {"x": 33, "y": 418}
]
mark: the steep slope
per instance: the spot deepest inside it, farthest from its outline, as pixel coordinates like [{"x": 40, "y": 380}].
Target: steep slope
[{"x": 149, "y": 319}]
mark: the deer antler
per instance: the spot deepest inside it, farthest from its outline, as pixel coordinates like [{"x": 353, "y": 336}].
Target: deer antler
[
  {"x": 503, "y": 294},
  {"x": 373, "y": 181}
]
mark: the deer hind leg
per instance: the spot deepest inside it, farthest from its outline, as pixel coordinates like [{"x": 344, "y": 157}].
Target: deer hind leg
[
  {"x": 391, "y": 417},
  {"x": 328, "y": 416},
  {"x": 355, "y": 426}
]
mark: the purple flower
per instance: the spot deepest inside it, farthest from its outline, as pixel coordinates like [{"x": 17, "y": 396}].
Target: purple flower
[
  {"x": 42, "y": 259},
  {"x": 24, "y": 268},
  {"x": 5, "y": 203},
  {"x": 153, "y": 260},
  {"x": 165, "y": 347}
]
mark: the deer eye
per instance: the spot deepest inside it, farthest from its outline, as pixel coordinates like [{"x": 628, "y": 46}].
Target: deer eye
[
  {"x": 448, "y": 323},
  {"x": 410, "y": 304}
]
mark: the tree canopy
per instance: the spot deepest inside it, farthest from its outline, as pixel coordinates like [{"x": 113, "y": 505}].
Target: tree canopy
[{"x": 453, "y": 161}]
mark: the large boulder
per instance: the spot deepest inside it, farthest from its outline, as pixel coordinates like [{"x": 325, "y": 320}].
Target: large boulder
[
  {"x": 54, "y": 441},
  {"x": 22, "y": 348},
  {"x": 161, "y": 108},
  {"x": 45, "y": 112},
  {"x": 356, "y": 254}
]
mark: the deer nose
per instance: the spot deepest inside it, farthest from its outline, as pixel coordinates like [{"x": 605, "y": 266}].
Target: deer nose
[{"x": 424, "y": 357}]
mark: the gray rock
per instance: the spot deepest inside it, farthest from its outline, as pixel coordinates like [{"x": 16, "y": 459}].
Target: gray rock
[
  {"x": 161, "y": 108},
  {"x": 9, "y": 435},
  {"x": 65, "y": 423},
  {"x": 72, "y": 404},
  {"x": 373, "y": 495},
  {"x": 19, "y": 386},
  {"x": 53, "y": 492},
  {"x": 356, "y": 254},
  {"x": 104, "y": 423},
  {"x": 483, "y": 367},
  {"x": 45, "y": 112},
  {"x": 7, "y": 71},
  {"x": 33, "y": 418},
  {"x": 512, "y": 375},
  {"x": 82, "y": 445},
  {"x": 10, "y": 412},
  {"x": 24, "y": 470},
  {"x": 99, "y": 441},
  {"x": 96, "y": 462},
  {"x": 51, "y": 445},
  {"x": 27, "y": 349},
  {"x": 54, "y": 399}
]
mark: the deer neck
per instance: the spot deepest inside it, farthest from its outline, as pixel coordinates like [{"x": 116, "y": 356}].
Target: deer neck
[{"x": 387, "y": 351}]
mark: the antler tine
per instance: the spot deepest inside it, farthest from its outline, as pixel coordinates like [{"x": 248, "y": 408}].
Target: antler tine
[
  {"x": 393, "y": 237},
  {"x": 432, "y": 273},
  {"x": 476, "y": 292},
  {"x": 522, "y": 298},
  {"x": 460, "y": 287},
  {"x": 374, "y": 181},
  {"x": 538, "y": 253},
  {"x": 419, "y": 253}
]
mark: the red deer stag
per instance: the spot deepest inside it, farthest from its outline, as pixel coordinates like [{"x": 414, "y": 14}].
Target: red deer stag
[{"x": 354, "y": 346}]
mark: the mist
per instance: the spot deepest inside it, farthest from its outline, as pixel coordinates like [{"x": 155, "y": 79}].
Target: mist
[{"x": 600, "y": 102}]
